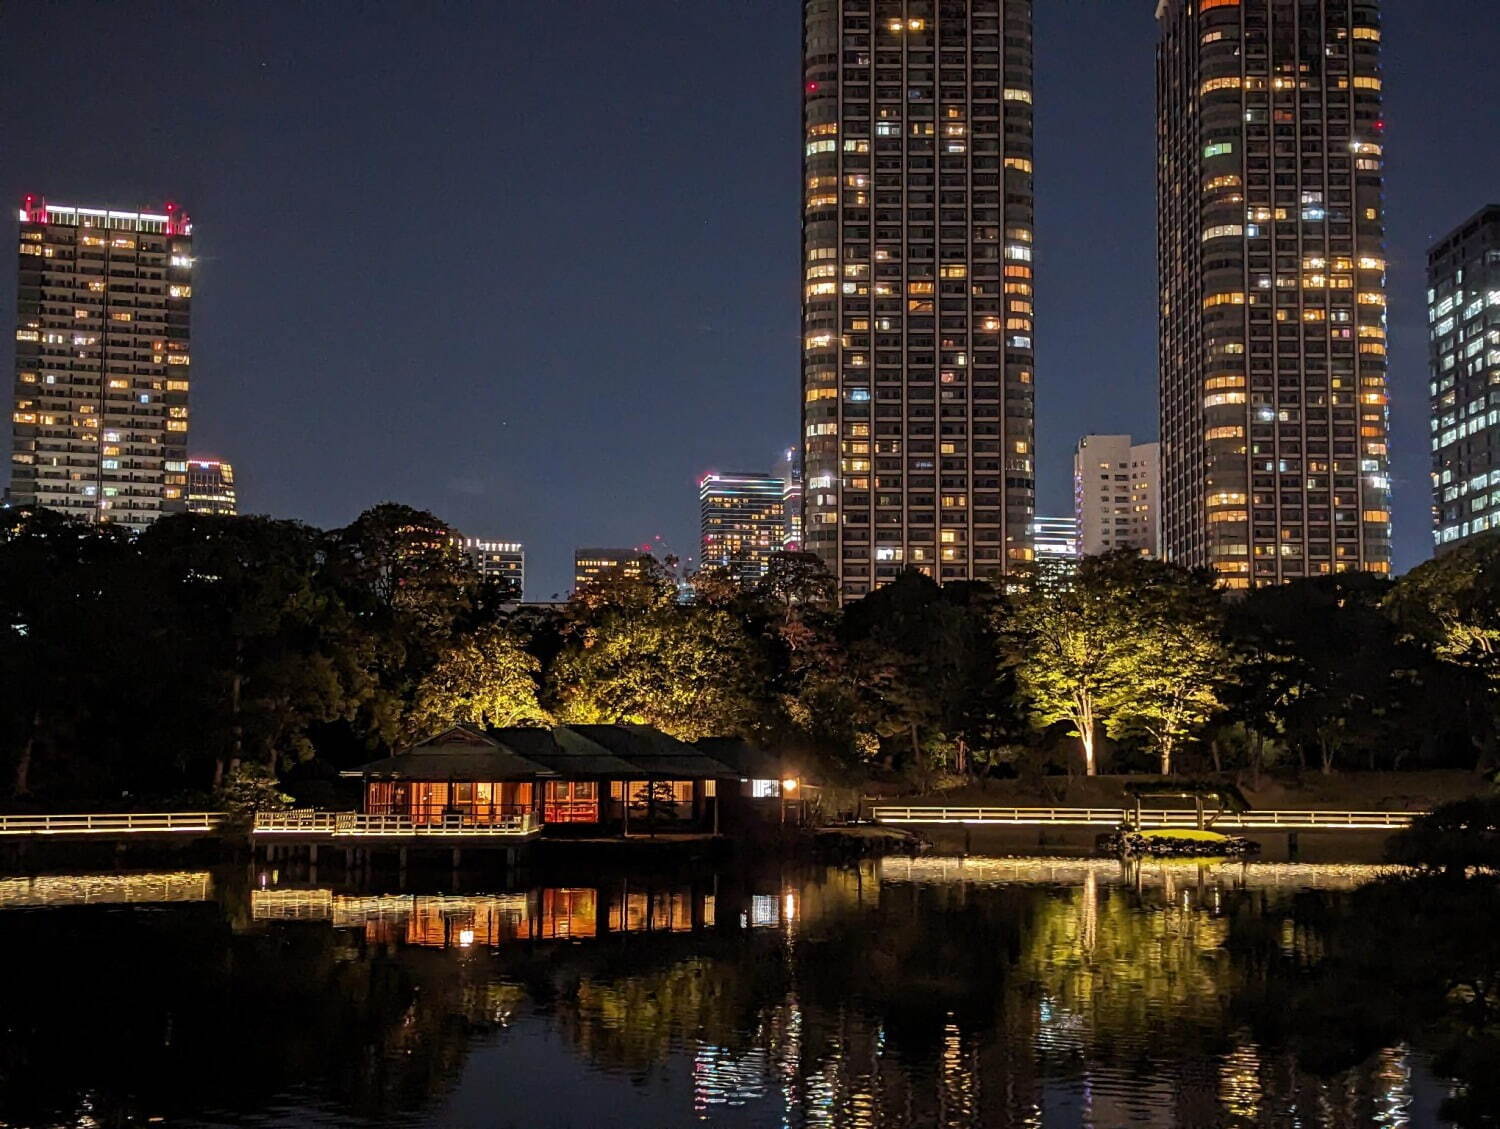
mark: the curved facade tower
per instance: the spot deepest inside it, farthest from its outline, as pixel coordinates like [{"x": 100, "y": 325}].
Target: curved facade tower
[
  {"x": 917, "y": 287},
  {"x": 1272, "y": 273}
]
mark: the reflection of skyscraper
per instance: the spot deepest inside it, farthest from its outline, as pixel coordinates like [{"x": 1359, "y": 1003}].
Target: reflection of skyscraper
[
  {"x": 101, "y": 402},
  {"x": 917, "y": 293},
  {"x": 1272, "y": 274},
  {"x": 789, "y": 470},
  {"x": 210, "y": 487},
  {"x": 743, "y": 523}
]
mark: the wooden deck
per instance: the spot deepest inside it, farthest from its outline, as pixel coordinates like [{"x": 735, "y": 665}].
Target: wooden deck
[{"x": 352, "y": 829}]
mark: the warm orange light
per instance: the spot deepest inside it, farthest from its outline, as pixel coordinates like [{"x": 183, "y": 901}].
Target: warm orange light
[{"x": 788, "y": 785}]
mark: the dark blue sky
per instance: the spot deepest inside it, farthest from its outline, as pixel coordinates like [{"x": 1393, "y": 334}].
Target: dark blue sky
[{"x": 535, "y": 266}]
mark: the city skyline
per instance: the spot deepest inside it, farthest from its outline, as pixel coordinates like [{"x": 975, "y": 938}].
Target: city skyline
[{"x": 315, "y": 451}]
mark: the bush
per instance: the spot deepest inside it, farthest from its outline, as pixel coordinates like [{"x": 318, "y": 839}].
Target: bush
[
  {"x": 1453, "y": 838},
  {"x": 249, "y": 789}
]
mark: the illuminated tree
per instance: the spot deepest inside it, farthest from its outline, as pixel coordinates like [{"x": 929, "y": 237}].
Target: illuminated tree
[
  {"x": 1451, "y": 605},
  {"x": 1172, "y": 664},
  {"x": 692, "y": 672},
  {"x": 1065, "y": 643},
  {"x": 487, "y": 679}
]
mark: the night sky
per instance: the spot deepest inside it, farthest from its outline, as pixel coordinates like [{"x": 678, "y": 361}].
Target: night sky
[{"x": 534, "y": 266}]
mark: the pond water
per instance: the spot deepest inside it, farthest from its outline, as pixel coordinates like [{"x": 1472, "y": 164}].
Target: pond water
[{"x": 932, "y": 992}]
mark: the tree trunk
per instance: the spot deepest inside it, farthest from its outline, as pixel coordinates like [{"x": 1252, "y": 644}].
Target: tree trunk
[
  {"x": 916, "y": 748},
  {"x": 1166, "y": 758},
  {"x": 1327, "y": 750},
  {"x": 1087, "y": 734},
  {"x": 21, "y": 784},
  {"x": 1257, "y": 758}
]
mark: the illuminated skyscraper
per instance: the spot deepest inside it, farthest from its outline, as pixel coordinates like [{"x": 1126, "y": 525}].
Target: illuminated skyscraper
[
  {"x": 597, "y": 564},
  {"x": 1117, "y": 494},
  {"x": 789, "y": 470},
  {"x": 1463, "y": 295},
  {"x": 497, "y": 560},
  {"x": 210, "y": 487},
  {"x": 917, "y": 301},
  {"x": 1055, "y": 540},
  {"x": 101, "y": 396},
  {"x": 1272, "y": 273},
  {"x": 743, "y": 522}
]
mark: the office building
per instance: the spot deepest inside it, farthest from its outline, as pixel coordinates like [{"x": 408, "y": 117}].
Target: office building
[
  {"x": 743, "y": 520},
  {"x": 100, "y": 424},
  {"x": 596, "y": 564},
  {"x": 504, "y": 561},
  {"x": 1055, "y": 540},
  {"x": 1273, "y": 289},
  {"x": 917, "y": 301},
  {"x": 1116, "y": 494},
  {"x": 210, "y": 487},
  {"x": 789, "y": 470},
  {"x": 1463, "y": 311}
]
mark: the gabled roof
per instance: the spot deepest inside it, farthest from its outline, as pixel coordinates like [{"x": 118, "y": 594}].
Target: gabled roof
[
  {"x": 749, "y": 760},
  {"x": 460, "y": 753},
  {"x": 650, "y": 751},
  {"x": 565, "y": 754}
]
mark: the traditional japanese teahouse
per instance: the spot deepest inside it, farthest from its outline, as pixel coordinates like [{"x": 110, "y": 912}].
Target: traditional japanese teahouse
[
  {"x": 460, "y": 775},
  {"x": 605, "y": 777},
  {"x": 645, "y": 778}
]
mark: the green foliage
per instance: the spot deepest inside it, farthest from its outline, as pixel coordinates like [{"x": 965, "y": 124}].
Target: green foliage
[
  {"x": 690, "y": 671},
  {"x": 1453, "y": 838},
  {"x": 1128, "y": 644},
  {"x": 249, "y": 788},
  {"x": 486, "y": 679},
  {"x": 1451, "y": 606}
]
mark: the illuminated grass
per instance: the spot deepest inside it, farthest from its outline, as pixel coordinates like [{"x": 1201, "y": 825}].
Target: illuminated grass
[{"x": 1186, "y": 835}]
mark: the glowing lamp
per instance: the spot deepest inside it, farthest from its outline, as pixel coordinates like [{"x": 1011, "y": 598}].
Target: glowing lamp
[
  {"x": 465, "y": 937},
  {"x": 789, "y": 785}
]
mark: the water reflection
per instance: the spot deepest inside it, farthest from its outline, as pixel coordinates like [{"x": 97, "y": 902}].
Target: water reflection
[{"x": 952, "y": 993}]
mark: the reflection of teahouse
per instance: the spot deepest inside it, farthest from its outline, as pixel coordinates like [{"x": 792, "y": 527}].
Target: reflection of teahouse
[
  {"x": 460, "y": 775},
  {"x": 768, "y": 782}
]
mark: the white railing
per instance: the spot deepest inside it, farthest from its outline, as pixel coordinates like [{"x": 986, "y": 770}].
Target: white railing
[
  {"x": 1150, "y": 818},
  {"x": 114, "y": 823},
  {"x": 341, "y": 825}
]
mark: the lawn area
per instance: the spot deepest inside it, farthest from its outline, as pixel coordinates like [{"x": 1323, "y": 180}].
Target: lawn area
[{"x": 1186, "y": 835}]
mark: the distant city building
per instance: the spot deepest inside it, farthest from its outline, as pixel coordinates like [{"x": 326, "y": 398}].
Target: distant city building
[
  {"x": 1271, "y": 269},
  {"x": 210, "y": 487},
  {"x": 1055, "y": 541},
  {"x": 593, "y": 564},
  {"x": 1117, "y": 494},
  {"x": 789, "y": 470},
  {"x": 1463, "y": 296},
  {"x": 743, "y": 522},
  {"x": 497, "y": 560},
  {"x": 100, "y": 425},
  {"x": 917, "y": 332}
]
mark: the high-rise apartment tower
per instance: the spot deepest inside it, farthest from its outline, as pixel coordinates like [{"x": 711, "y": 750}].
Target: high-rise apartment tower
[
  {"x": 100, "y": 422},
  {"x": 1272, "y": 275},
  {"x": 917, "y": 301},
  {"x": 1117, "y": 494},
  {"x": 1463, "y": 310}
]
